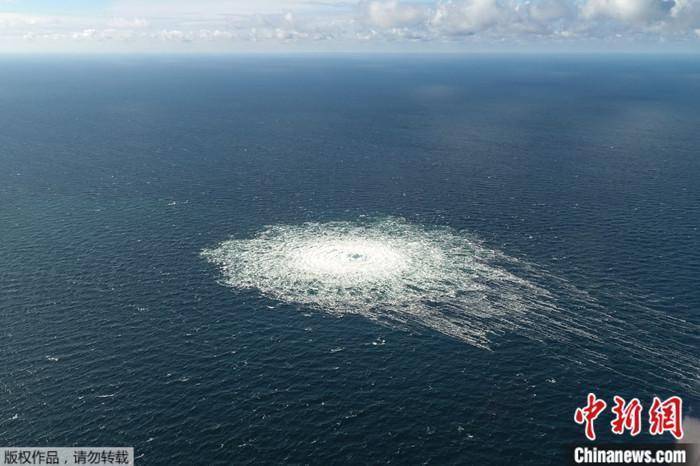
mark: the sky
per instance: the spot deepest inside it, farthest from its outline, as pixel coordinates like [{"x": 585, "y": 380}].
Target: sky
[{"x": 279, "y": 26}]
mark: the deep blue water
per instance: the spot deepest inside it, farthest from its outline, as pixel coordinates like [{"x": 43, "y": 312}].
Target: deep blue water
[{"x": 115, "y": 174}]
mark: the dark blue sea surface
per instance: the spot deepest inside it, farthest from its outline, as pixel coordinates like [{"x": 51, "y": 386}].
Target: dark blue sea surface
[{"x": 116, "y": 173}]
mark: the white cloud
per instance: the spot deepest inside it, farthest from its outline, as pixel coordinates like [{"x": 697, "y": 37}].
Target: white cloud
[
  {"x": 394, "y": 14},
  {"x": 686, "y": 14},
  {"x": 546, "y": 11},
  {"x": 16, "y": 20},
  {"x": 220, "y": 25},
  {"x": 642, "y": 11},
  {"x": 468, "y": 16},
  {"x": 126, "y": 23}
]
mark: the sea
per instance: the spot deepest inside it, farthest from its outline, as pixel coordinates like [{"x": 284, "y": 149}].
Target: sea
[{"x": 345, "y": 259}]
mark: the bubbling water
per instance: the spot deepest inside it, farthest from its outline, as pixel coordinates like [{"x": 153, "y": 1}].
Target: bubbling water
[
  {"x": 353, "y": 259},
  {"x": 390, "y": 271},
  {"x": 414, "y": 277}
]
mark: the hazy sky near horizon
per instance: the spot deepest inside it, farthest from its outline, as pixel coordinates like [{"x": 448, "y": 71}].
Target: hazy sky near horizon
[{"x": 348, "y": 25}]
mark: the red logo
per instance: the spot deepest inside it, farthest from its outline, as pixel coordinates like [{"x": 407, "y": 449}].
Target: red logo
[
  {"x": 589, "y": 413},
  {"x": 664, "y": 416},
  {"x": 627, "y": 416}
]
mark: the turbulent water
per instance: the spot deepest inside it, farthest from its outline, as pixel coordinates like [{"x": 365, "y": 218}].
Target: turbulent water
[
  {"x": 406, "y": 275},
  {"x": 387, "y": 270}
]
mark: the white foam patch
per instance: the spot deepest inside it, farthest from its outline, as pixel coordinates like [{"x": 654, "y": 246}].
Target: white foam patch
[
  {"x": 390, "y": 271},
  {"x": 409, "y": 276}
]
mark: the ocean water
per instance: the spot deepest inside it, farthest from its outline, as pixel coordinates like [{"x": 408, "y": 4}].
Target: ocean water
[{"x": 238, "y": 260}]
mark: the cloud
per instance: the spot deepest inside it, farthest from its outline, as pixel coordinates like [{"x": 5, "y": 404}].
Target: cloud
[
  {"x": 686, "y": 14},
  {"x": 393, "y": 14},
  {"x": 17, "y": 20},
  {"x": 546, "y": 11},
  {"x": 126, "y": 23},
  {"x": 641, "y": 11},
  {"x": 221, "y": 25},
  {"x": 469, "y": 16}
]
